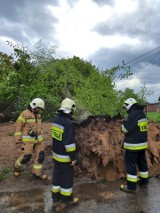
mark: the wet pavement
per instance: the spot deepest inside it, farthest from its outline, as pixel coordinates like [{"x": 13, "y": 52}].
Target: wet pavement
[{"x": 94, "y": 198}]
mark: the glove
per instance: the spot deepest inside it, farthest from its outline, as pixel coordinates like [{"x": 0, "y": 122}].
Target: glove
[
  {"x": 73, "y": 163},
  {"x": 32, "y": 133},
  {"x": 122, "y": 130},
  {"x": 122, "y": 144}
]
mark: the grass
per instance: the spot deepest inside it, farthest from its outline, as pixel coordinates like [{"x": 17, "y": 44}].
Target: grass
[
  {"x": 153, "y": 116},
  {"x": 5, "y": 172}
]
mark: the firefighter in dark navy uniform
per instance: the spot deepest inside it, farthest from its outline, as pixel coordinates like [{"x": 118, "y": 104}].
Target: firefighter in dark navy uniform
[
  {"x": 64, "y": 154},
  {"x": 135, "y": 129}
]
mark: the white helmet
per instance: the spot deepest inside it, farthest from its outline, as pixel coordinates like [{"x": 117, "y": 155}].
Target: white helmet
[
  {"x": 128, "y": 103},
  {"x": 67, "y": 106},
  {"x": 37, "y": 102}
]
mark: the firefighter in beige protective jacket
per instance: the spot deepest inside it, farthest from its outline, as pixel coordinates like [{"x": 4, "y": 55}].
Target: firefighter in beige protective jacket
[{"x": 29, "y": 138}]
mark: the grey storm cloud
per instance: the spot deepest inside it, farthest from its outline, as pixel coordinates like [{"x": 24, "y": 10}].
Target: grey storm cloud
[
  {"x": 14, "y": 10},
  {"x": 107, "y": 58},
  {"x": 144, "y": 23},
  {"x": 149, "y": 73},
  {"x": 24, "y": 20},
  {"x": 27, "y": 19},
  {"x": 103, "y": 2},
  {"x": 71, "y": 3},
  {"x": 8, "y": 30}
]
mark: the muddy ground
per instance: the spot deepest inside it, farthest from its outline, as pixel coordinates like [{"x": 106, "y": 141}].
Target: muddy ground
[{"x": 99, "y": 143}]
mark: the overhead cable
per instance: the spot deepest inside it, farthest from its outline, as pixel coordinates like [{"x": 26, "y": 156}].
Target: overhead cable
[
  {"x": 143, "y": 55},
  {"x": 151, "y": 59}
]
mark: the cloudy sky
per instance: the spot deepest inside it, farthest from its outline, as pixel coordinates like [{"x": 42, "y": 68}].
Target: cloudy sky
[{"x": 105, "y": 32}]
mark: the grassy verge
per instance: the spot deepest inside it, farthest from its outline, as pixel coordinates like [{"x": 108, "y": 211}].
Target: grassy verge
[
  {"x": 153, "y": 116},
  {"x": 5, "y": 172}
]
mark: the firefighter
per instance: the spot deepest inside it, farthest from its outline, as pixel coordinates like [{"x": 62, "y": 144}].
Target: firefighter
[
  {"x": 135, "y": 143},
  {"x": 29, "y": 138},
  {"x": 64, "y": 154}
]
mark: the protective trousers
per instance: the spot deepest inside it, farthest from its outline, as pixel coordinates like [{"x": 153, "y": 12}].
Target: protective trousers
[
  {"x": 27, "y": 150},
  {"x": 62, "y": 187},
  {"x": 134, "y": 159}
]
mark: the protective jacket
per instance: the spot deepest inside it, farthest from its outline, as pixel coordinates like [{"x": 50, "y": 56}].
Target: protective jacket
[
  {"x": 64, "y": 148},
  {"x": 28, "y": 127},
  {"x": 135, "y": 129},
  {"x": 64, "y": 151},
  {"x": 135, "y": 142}
]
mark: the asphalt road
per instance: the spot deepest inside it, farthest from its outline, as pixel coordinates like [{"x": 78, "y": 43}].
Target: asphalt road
[{"x": 94, "y": 198}]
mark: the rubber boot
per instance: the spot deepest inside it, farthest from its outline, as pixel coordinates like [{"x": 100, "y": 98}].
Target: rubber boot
[
  {"x": 75, "y": 201},
  {"x": 17, "y": 172},
  {"x": 124, "y": 188},
  {"x": 44, "y": 178}
]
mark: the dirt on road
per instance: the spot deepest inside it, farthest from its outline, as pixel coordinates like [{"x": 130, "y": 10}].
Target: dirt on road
[{"x": 99, "y": 141}]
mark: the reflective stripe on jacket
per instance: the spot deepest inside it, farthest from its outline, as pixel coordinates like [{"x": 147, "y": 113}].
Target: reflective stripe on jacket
[
  {"x": 63, "y": 136},
  {"x": 26, "y": 122},
  {"x": 135, "y": 128}
]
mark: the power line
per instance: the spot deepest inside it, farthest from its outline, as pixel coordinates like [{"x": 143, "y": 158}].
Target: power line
[
  {"x": 154, "y": 56},
  {"x": 145, "y": 58},
  {"x": 151, "y": 59},
  {"x": 142, "y": 55}
]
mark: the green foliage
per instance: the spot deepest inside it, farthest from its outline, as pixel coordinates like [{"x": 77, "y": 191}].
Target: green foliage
[
  {"x": 126, "y": 71},
  {"x": 5, "y": 172},
  {"x": 43, "y": 53},
  {"x": 120, "y": 72},
  {"x": 97, "y": 94},
  {"x": 143, "y": 93},
  {"x": 153, "y": 116},
  {"x": 128, "y": 93},
  {"x": 40, "y": 73}
]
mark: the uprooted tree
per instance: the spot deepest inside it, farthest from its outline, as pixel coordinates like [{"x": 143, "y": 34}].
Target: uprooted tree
[
  {"x": 41, "y": 73},
  {"x": 99, "y": 142}
]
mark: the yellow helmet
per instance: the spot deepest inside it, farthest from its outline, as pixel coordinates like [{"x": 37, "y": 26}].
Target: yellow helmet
[
  {"x": 37, "y": 102},
  {"x": 67, "y": 106}
]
